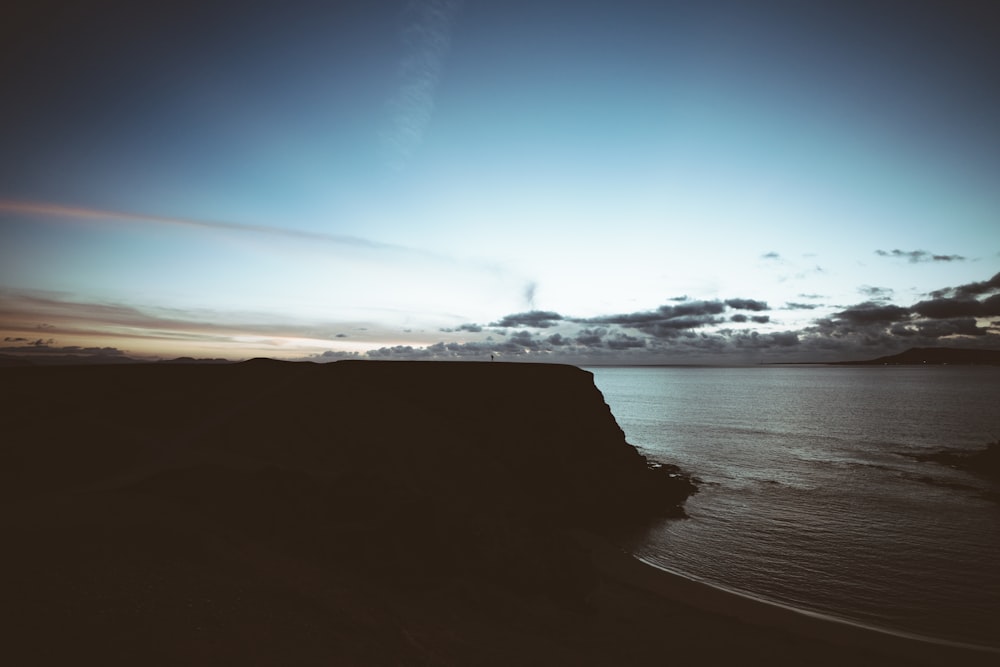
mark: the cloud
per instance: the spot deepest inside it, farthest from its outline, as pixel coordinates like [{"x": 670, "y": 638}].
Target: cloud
[
  {"x": 692, "y": 313},
  {"x": 878, "y": 293},
  {"x": 916, "y": 256},
  {"x": 746, "y": 304},
  {"x": 794, "y": 305},
  {"x": 960, "y": 307},
  {"x": 873, "y": 313},
  {"x": 89, "y": 323},
  {"x": 427, "y": 40},
  {"x": 770, "y": 255},
  {"x": 759, "y": 319},
  {"x": 36, "y": 343},
  {"x": 46, "y": 348},
  {"x": 621, "y": 341},
  {"x": 81, "y": 213},
  {"x": 469, "y": 327},
  {"x": 753, "y": 340},
  {"x": 540, "y": 319},
  {"x": 956, "y": 326},
  {"x": 334, "y": 355},
  {"x": 970, "y": 290},
  {"x": 529, "y": 294},
  {"x": 591, "y": 337},
  {"x": 518, "y": 344},
  {"x": 688, "y": 331},
  {"x": 558, "y": 340},
  {"x": 668, "y": 321}
]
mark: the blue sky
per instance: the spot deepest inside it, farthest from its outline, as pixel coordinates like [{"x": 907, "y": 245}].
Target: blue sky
[{"x": 592, "y": 182}]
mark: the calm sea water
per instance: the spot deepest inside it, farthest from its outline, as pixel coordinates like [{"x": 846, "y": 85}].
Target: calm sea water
[{"x": 809, "y": 497}]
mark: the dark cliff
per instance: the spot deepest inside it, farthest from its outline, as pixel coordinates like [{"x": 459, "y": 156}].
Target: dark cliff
[{"x": 186, "y": 506}]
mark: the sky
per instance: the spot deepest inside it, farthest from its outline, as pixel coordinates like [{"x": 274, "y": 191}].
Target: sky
[{"x": 587, "y": 182}]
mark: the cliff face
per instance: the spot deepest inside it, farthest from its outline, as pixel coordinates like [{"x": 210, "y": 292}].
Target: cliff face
[{"x": 128, "y": 490}]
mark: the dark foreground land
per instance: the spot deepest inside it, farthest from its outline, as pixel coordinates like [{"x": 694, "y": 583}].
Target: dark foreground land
[{"x": 357, "y": 513}]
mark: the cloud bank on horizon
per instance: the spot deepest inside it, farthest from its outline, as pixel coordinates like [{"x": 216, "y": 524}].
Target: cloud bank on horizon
[
  {"x": 682, "y": 331},
  {"x": 625, "y": 182}
]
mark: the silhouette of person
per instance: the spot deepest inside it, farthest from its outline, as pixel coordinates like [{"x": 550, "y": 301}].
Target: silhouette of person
[{"x": 491, "y": 357}]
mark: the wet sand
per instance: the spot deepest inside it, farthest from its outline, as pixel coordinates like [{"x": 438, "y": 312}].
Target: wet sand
[{"x": 896, "y": 647}]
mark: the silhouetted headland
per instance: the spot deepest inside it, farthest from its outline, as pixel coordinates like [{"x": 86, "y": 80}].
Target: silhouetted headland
[{"x": 357, "y": 513}]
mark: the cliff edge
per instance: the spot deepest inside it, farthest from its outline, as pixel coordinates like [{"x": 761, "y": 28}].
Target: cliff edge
[{"x": 166, "y": 514}]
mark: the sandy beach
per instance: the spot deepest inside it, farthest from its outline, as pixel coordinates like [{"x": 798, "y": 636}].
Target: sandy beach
[{"x": 628, "y": 571}]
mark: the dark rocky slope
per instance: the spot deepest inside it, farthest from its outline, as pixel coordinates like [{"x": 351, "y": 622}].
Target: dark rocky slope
[{"x": 180, "y": 505}]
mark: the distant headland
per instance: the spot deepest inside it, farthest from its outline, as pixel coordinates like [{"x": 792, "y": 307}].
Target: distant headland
[{"x": 933, "y": 355}]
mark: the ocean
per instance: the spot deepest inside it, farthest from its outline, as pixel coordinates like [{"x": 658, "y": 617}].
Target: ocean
[{"x": 811, "y": 496}]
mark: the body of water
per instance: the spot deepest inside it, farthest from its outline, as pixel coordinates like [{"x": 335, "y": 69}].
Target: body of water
[{"x": 811, "y": 495}]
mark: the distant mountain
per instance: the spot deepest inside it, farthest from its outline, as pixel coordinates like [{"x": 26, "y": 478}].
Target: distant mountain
[
  {"x": 13, "y": 360},
  {"x": 10, "y": 361},
  {"x": 934, "y": 355},
  {"x": 192, "y": 360}
]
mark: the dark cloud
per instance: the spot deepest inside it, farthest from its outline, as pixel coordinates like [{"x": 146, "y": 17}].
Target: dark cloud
[
  {"x": 518, "y": 344},
  {"x": 524, "y": 339},
  {"x": 334, "y": 355},
  {"x": 666, "y": 320},
  {"x": 878, "y": 293},
  {"x": 558, "y": 340},
  {"x": 770, "y": 255},
  {"x": 677, "y": 333},
  {"x": 759, "y": 319},
  {"x": 341, "y": 335},
  {"x": 471, "y": 328},
  {"x": 43, "y": 347},
  {"x": 399, "y": 352},
  {"x": 591, "y": 337},
  {"x": 529, "y": 294},
  {"x": 539, "y": 319},
  {"x": 749, "y": 339},
  {"x": 29, "y": 342},
  {"x": 624, "y": 342},
  {"x": 746, "y": 304},
  {"x": 872, "y": 313},
  {"x": 956, "y": 326},
  {"x": 916, "y": 256},
  {"x": 681, "y": 331},
  {"x": 959, "y": 307},
  {"x": 970, "y": 290}
]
